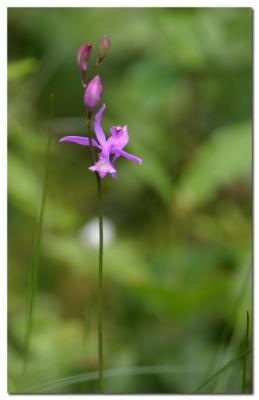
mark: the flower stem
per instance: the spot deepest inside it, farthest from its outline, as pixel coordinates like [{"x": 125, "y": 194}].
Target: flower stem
[
  {"x": 36, "y": 253},
  {"x": 245, "y": 358},
  {"x": 100, "y": 278},
  {"x": 100, "y": 308}
]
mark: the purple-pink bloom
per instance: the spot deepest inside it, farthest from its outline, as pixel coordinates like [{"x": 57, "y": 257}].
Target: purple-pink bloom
[
  {"x": 113, "y": 146},
  {"x": 83, "y": 55},
  {"x": 93, "y": 93}
]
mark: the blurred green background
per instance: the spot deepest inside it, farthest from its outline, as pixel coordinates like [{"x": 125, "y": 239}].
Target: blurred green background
[{"x": 178, "y": 265}]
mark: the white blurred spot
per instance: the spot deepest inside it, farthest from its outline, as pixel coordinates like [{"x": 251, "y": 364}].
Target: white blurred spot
[{"x": 89, "y": 234}]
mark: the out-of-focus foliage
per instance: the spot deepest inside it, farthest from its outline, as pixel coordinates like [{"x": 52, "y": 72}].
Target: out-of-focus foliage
[
  {"x": 178, "y": 273},
  {"x": 198, "y": 187},
  {"x": 19, "y": 69}
]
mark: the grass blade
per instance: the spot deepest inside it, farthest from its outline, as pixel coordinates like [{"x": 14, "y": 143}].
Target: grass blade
[
  {"x": 115, "y": 372},
  {"x": 222, "y": 369},
  {"x": 226, "y": 331},
  {"x": 246, "y": 345},
  {"x": 35, "y": 261}
]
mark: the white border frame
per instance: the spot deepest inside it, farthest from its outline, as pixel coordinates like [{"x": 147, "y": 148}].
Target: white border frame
[{"x": 3, "y": 169}]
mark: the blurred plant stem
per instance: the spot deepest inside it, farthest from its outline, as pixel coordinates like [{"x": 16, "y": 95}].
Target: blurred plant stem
[
  {"x": 36, "y": 253},
  {"x": 100, "y": 311},
  {"x": 100, "y": 279},
  {"x": 227, "y": 329},
  {"x": 222, "y": 369},
  {"x": 245, "y": 358}
]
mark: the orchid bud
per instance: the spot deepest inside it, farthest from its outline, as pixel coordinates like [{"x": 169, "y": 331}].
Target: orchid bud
[
  {"x": 104, "y": 48},
  {"x": 83, "y": 55},
  {"x": 93, "y": 93}
]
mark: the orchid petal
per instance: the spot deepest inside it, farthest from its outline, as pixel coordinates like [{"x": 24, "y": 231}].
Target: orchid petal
[
  {"x": 98, "y": 128},
  {"x": 119, "y": 136},
  {"x": 103, "y": 167},
  {"x": 130, "y": 157},
  {"x": 114, "y": 159},
  {"x": 114, "y": 175},
  {"x": 107, "y": 148},
  {"x": 84, "y": 141}
]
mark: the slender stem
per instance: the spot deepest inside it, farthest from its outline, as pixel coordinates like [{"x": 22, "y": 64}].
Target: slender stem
[
  {"x": 100, "y": 308},
  {"x": 36, "y": 253},
  {"x": 245, "y": 358},
  {"x": 100, "y": 278},
  {"x": 92, "y": 74}
]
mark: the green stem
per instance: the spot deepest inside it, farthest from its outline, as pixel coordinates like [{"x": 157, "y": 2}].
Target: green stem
[
  {"x": 35, "y": 261},
  {"x": 245, "y": 358},
  {"x": 100, "y": 308},
  {"x": 100, "y": 279}
]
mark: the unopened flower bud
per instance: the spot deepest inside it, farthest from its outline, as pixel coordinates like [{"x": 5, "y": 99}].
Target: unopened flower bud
[
  {"x": 83, "y": 55},
  {"x": 93, "y": 93},
  {"x": 104, "y": 48}
]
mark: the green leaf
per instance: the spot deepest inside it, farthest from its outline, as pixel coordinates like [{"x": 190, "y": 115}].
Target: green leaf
[{"x": 224, "y": 158}]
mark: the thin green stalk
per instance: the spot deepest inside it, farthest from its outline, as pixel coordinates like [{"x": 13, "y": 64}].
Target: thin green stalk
[
  {"x": 227, "y": 329},
  {"x": 100, "y": 277},
  {"x": 222, "y": 369},
  {"x": 245, "y": 358},
  {"x": 36, "y": 253},
  {"x": 93, "y": 73},
  {"x": 100, "y": 308}
]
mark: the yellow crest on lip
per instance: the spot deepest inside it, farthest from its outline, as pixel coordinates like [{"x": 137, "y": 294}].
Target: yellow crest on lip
[{"x": 103, "y": 166}]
